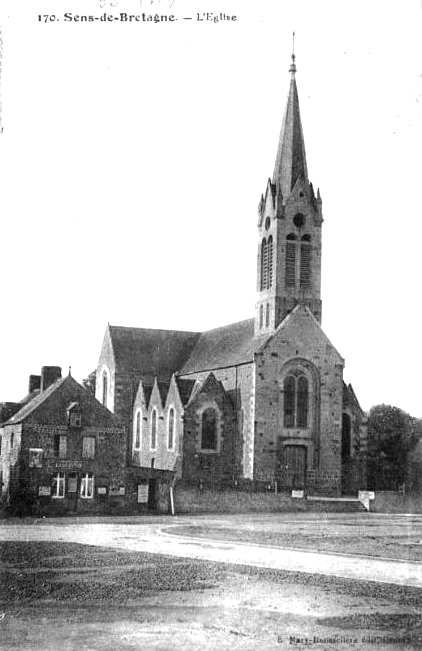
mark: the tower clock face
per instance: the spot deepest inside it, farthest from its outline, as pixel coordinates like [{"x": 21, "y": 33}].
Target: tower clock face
[{"x": 299, "y": 220}]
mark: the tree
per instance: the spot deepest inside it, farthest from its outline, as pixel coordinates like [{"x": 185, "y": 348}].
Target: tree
[
  {"x": 391, "y": 434},
  {"x": 89, "y": 382}
]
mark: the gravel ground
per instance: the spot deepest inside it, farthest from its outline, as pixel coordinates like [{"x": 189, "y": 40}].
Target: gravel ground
[
  {"x": 71, "y": 596},
  {"x": 367, "y": 540}
]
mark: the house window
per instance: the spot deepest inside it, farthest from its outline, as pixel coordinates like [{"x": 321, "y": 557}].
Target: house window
[
  {"x": 137, "y": 432},
  {"x": 154, "y": 430},
  {"x": 60, "y": 446},
  {"x": 105, "y": 388},
  {"x": 209, "y": 429},
  {"x": 87, "y": 486},
  {"x": 170, "y": 428},
  {"x": 35, "y": 458},
  {"x": 296, "y": 400},
  {"x": 88, "y": 447},
  {"x": 75, "y": 419},
  {"x": 57, "y": 485}
]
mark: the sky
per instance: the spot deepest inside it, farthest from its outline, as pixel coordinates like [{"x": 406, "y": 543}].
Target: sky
[{"x": 133, "y": 157}]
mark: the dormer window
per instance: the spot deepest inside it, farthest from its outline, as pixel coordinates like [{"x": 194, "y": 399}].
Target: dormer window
[{"x": 74, "y": 415}]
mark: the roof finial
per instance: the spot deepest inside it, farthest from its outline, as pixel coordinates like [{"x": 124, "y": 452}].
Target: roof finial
[{"x": 293, "y": 65}]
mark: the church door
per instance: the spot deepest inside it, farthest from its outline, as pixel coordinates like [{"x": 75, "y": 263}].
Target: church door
[{"x": 294, "y": 462}]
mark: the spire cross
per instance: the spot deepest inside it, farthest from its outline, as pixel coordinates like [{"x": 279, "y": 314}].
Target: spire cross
[{"x": 293, "y": 65}]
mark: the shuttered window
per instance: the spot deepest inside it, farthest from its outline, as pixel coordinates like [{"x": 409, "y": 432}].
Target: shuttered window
[
  {"x": 264, "y": 264},
  {"x": 88, "y": 447},
  {"x": 290, "y": 279},
  {"x": 305, "y": 264},
  {"x": 270, "y": 262}
]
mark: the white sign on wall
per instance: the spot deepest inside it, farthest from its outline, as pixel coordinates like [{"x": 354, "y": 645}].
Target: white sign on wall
[
  {"x": 297, "y": 493},
  {"x": 143, "y": 490},
  {"x": 44, "y": 490}
]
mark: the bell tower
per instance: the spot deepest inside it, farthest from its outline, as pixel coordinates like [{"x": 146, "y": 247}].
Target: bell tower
[{"x": 289, "y": 226}]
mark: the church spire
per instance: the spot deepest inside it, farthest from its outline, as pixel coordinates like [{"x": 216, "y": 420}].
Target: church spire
[{"x": 290, "y": 162}]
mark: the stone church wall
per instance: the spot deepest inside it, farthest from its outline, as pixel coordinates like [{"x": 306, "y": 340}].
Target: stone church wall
[
  {"x": 238, "y": 381},
  {"x": 323, "y": 444}
]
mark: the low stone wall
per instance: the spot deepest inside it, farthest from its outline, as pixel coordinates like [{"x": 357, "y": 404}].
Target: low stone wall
[
  {"x": 192, "y": 500},
  {"x": 393, "y": 502}
]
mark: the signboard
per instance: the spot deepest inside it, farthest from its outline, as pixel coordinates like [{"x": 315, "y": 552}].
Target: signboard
[
  {"x": 68, "y": 465},
  {"x": 117, "y": 490},
  {"x": 297, "y": 493},
  {"x": 366, "y": 495},
  {"x": 102, "y": 490},
  {"x": 143, "y": 493},
  {"x": 44, "y": 491}
]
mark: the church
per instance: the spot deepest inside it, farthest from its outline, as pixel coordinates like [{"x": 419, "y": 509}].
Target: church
[{"x": 260, "y": 401}]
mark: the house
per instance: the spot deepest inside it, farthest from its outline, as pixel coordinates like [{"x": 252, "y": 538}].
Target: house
[{"x": 63, "y": 452}]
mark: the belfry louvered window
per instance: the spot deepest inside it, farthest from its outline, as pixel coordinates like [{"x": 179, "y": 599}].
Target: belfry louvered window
[
  {"x": 305, "y": 261},
  {"x": 154, "y": 430},
  {"x": 270, "y": 261},
  {"x": 267, "y": 256},
  {"x": 291, "y": 260},
  {"x": 296, "y": 399},
  {"x": 264, "y": 264}
]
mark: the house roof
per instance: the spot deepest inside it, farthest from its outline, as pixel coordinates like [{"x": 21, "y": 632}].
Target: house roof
[
  {"x": 229, "y": 345},
  {"x": 33, "y": 404},
  {"x": 151, "y": 352}
]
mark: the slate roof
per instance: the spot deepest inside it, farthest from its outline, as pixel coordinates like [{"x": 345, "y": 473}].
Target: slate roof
[
  {"x": 229, "y": 345},
  {"x": 185, "y": 388},
  {"x": 290, "y": 162},
  {"x": 30, "y": 406},
  {"x": 151, "y": 352}
]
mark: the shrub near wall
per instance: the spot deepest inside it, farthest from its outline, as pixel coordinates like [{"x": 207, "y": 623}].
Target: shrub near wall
[{"x": 192, "y": 500}]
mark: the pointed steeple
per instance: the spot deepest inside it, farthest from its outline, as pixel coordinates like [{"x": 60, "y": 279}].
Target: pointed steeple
[{"x": 290, "y": 162}]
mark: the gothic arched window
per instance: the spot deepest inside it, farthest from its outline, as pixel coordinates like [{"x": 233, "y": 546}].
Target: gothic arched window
[
  {"x": 296, "y": 400},
  {"x": 267, "y": 315},
  {"x": 170, "y": 429},
  {"x": 105, "y": 388},
  {"x": 209, "y": 429},
  {"x": 154, "y": 430},
  {"x": 137, "y": 437},
  {"x": 261, "y": 316}
]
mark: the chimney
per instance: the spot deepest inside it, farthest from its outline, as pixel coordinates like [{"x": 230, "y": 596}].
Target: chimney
[
  {"x": 34, "y": 383},
  {"x": 49, "y": 374}
]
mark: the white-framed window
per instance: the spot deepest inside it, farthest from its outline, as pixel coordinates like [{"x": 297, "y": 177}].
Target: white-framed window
[
  {"x": 154, "y": 429},
  {"x": 87, "y": 486},
  {"x": 58, "y": 485},
  {"x": 137, "y": 430},
  {"x": 171, "y": 421},
  {"x": 88, "y": 447},
  {"x": 35, "y": 458}
]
